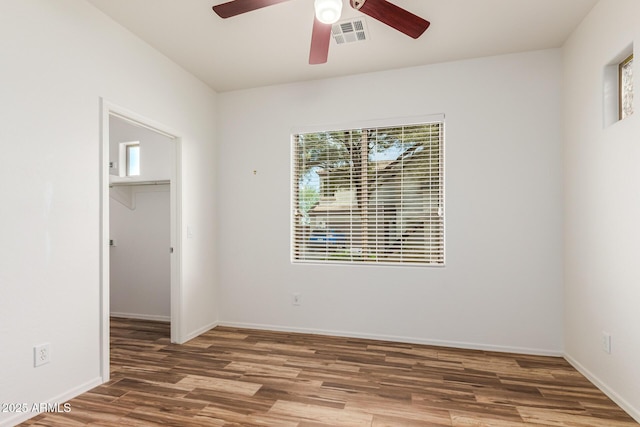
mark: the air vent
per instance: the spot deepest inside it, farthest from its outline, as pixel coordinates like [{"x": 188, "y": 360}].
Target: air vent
[{"x": 353, "y": 30}]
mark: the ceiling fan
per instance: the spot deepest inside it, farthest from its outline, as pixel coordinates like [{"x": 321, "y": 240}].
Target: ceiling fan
[{"x": 328, "y": 12}]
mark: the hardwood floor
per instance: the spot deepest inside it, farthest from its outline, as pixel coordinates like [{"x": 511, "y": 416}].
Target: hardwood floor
[{"x": 235, "y": 377}]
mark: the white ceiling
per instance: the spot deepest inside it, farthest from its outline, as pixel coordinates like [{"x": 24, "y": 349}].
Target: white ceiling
[{"x": 271, "y": 45}]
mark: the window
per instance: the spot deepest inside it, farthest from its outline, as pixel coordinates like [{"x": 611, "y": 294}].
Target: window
[
  {"x": 129, "y": 158},
  {"x": 625, "y": 87},
  {"x": 371, "y": 195},
  {"x": 133, "y": 159},
  {"x": 618, "y": 87}
]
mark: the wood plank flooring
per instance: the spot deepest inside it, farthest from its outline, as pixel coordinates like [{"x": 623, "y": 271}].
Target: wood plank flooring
[{"x": 234, "y": 377}]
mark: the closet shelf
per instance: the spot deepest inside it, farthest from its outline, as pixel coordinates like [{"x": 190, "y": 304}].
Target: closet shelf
[{"x": 132, "y": 183}]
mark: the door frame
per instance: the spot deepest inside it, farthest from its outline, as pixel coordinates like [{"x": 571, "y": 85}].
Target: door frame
[{"x": 108, "y": 109}]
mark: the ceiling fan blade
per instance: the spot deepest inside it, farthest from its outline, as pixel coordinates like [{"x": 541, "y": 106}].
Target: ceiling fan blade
[
  {"x": 320, "y": 38},
  {"x": 392, "y": 15},
  {"x": 237, "y": 7}
]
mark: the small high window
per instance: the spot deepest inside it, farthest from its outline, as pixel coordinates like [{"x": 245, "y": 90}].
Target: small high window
[
  {"x": 618, "y": 87},
  {"x": 133, "y": 160},
  {"x": 625, "y": 87},
  {"x": 129, "y": 158}
]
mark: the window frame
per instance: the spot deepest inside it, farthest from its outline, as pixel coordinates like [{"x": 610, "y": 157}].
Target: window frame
[
  {"x": 621, "y": 88},
  {"x": 124, "y": 156},
  {"x": 128, "y": 164},
  {"x": 300, "y": 255}
]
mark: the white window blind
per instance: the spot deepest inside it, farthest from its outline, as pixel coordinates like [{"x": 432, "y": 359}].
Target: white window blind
[{"x": 372, "y": 195}]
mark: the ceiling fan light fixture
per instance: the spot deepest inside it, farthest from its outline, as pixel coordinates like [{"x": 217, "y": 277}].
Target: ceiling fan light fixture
[{"x": 328, "y": 11}]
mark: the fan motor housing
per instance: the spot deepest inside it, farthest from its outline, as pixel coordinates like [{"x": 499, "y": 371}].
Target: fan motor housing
[{"x": 357, "y": 4}]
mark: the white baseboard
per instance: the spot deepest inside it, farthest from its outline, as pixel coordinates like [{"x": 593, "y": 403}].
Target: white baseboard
[
  {"x": 155, "y": 317},
  {"x": 64, "y": 397},
  {"x": 401, "y": 339},
  {"x": 191, "y": 335},
  {"x": 621, "y": 402}
]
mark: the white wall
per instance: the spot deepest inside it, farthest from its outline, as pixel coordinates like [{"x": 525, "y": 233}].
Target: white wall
[
  {"x": 502, "y": 286},
  {"x": 140, "y": 273},
  {"x": 57, "y": 59},
  {"x": 602, "y": 208}
]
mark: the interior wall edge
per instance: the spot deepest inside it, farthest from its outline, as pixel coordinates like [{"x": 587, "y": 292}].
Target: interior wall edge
[
  {"x": 193, "y": 334},
  {"x": 620, "y": 401},
  {"x": 398, "y": 339}
]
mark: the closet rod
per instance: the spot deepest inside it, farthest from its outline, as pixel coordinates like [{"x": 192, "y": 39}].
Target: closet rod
[{"x": 123, "y": 184}]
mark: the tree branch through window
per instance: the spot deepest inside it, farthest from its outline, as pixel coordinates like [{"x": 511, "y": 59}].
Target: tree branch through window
[{"x": 370, "y": 195}]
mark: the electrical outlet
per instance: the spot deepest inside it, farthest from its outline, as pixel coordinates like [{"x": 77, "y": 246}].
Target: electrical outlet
[
  {"x": 41, "y": 354},
  {"x": 297, "y": 299},
  {"x": 606, "y": 342}
]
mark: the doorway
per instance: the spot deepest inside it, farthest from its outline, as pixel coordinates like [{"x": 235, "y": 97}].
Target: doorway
[
  {"x": 140, "y": 217},
  {"x": 139, "y": 221}
]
